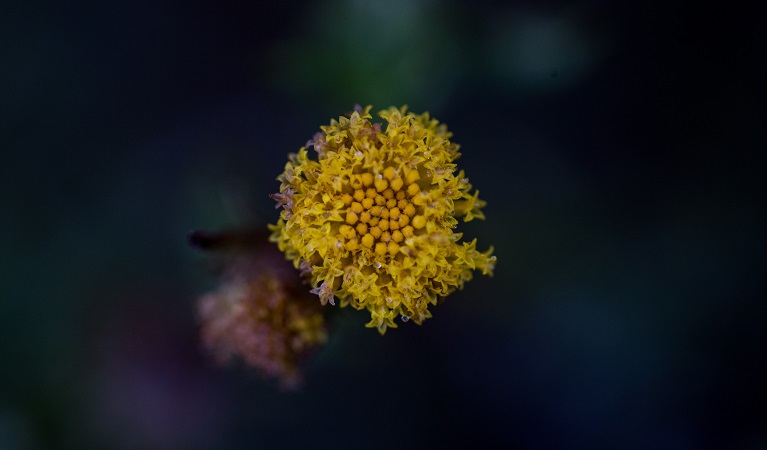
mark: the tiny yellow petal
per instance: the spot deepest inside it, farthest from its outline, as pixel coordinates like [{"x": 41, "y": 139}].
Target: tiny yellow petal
[
  {"x": 412, "y": 177},
  {"x": 389, "y": 173},
  {"x": 381, "y": 184},
  {"x": 352, "y": 244},
  {"x": 419, "y": 222}
]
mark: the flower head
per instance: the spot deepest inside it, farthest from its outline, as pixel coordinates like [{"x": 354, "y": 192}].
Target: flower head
[
  {"x": 262, "y": 314},
  {"x": 371, "y": 220}
]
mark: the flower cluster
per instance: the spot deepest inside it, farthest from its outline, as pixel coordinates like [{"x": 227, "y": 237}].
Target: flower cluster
[
  {"x": 371, "y": 220},
  {"x": 262, "y": 314}
]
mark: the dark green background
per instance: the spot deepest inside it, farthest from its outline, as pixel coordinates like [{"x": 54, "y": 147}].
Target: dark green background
[{"x": 620, "y": 149}]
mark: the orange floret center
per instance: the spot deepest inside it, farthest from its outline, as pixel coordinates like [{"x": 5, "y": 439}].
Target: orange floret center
[{"x": 380, "y": 211}]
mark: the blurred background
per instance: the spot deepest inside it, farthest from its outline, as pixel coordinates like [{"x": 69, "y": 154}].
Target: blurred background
[{"x": 620, "y": 149}]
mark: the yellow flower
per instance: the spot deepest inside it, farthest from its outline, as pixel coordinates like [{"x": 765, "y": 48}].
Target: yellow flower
[{"x": 372, "y": 220}]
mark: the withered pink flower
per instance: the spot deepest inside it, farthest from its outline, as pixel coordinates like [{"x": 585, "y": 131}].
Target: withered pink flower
[{"x": 261, "y": 313}]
